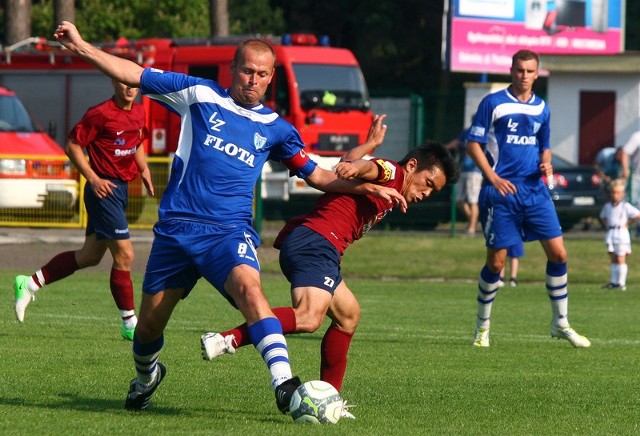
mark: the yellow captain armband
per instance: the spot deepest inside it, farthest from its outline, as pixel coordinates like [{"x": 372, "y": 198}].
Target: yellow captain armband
[{"x": 386, "y": 170}]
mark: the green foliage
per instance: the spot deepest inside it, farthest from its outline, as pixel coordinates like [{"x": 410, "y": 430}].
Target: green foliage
[
  {"x": 255, "y": 17},
  {"x": 42, "y": 19},
  {"x": 109, "y": 20},
  {"x": 632, "y": 39},
  {"x": 105, "y": 20}
]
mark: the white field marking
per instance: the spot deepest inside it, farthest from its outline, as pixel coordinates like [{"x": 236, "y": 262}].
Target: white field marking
[
  {"x": 502, "y": 336},
  {"x": 409, "y": 332},
  {"x": 63, "y": 317}
]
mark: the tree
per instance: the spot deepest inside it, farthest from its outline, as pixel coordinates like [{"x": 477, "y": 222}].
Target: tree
[
  {"x": 397, "y": 43},
  {"x": 255, "y": 17},
  {"x": 219, "y": 10},
  {"x": 17, "y": 21},
  {"x": 101, "y": 20},
  {"x": 64, "y": 10},
  {"x": 632, "y": 39}
]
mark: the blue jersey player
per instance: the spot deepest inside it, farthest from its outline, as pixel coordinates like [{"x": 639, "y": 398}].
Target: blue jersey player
[
  {"x": 509, "y": 141},
  {"x": 205, "y": 215}
]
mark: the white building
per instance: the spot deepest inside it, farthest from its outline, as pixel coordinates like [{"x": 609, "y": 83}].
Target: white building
[{"x": 594, "y": 102}]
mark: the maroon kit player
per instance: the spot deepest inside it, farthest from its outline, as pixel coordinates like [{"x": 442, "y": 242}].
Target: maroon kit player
[
  {"x": 311, "y": 247},
  {"x": 112, "y": 133}
]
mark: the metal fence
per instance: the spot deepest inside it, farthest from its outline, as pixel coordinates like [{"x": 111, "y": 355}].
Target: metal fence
[{"x": 39, "y": 201}]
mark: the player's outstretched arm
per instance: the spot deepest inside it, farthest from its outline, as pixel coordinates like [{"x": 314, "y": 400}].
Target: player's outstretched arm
[
  {"x": 327, "y": 181},
  {"x": 376, "y": 135},
  {"x": 358, "y": 169},
  {"x": 120, "y": 69}
]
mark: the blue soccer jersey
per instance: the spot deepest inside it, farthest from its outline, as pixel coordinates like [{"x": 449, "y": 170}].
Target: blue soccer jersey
[
  {"x": 221, "y": 150},
  {"x": 514, "y": 133}
]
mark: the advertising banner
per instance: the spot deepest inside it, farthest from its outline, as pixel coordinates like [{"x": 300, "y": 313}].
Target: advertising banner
[{"x": 483, "y": 34}]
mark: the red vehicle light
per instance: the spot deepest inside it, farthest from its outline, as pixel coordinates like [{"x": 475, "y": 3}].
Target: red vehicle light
[
  {"x": 304, "y": 39},
  {"x": 558, "y": 180},
  {"x": 53, "y": 169}
]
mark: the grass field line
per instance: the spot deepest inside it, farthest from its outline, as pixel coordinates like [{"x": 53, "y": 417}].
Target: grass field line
[
  {"x": 67, "y": 317},
  {"x": 401, "y": 333},
  {"x": 503, "y": 336}
]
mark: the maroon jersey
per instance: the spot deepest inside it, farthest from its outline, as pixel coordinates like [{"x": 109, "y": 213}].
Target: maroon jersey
[
  {"x": 345, "y": 218},
  {"x": 111, "y": 136}
]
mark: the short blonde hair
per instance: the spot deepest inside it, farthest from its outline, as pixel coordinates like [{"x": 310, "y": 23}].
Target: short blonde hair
[
  {"x": 616, "y": 183},
  {"x": 255, "y": 44}
]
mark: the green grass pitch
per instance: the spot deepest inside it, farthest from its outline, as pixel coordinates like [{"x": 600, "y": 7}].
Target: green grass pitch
[{"x": 412, "y": 369}]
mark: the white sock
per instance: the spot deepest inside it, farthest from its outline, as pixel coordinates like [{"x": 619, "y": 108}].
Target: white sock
[
  {"x": 622, "y": 274},
  {"x": 32, "y": 286},
  {"x": 130, "y": 322},
  {"x": 486, "y": 295},
  {"x": 614, "y": 273},
  {"x": 559, "y": 298}
]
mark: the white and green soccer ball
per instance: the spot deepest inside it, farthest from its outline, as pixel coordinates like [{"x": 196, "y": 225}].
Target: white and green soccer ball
[{"x": 316, "y": 402}]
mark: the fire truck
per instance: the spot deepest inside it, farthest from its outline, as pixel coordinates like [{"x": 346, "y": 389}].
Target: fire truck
[{"x": 317, "y": 88}]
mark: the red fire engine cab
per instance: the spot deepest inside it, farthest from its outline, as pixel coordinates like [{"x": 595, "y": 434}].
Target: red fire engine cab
[{"x": 317, "y": 88}]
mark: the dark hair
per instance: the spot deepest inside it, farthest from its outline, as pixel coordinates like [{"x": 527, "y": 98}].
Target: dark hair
[
  {"x": 524, "y": 55},
  {"x": 433, "y": 154}
]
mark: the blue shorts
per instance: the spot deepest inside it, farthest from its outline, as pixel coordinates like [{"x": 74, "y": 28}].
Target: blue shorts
[
  {"x": 528, "y": 215},
  {"x": 107, "y": 217},
  {"x": 516, "y": 251},
  {"x": 308, "y": 259},
  {"x": 183, "y": 251}
]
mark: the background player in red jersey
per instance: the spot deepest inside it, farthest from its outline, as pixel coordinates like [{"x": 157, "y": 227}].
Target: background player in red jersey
[
  {"x": 311, "y": 247},
  {"x": 112, "y": 133}
]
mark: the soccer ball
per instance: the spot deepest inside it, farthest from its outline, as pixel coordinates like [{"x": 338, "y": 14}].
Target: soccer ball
[{"x": 316, "y": 402}]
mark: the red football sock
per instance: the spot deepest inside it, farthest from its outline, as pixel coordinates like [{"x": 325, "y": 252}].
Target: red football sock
[
  {"x": 60, "y": 266},
  {"x": 285, "y": 315},
  {"x": 122, "y": 289},
  {"x": 333, "y": 356}
]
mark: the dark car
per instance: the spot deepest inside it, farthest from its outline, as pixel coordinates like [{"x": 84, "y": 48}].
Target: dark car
[{"x": 577, "y": 192}]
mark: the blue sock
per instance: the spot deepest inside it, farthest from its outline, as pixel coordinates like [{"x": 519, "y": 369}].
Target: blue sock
[
  {"x": 556, "y": 283},
  {"x": 145, "y": 357},
  {"x": 487, "y": 290}
]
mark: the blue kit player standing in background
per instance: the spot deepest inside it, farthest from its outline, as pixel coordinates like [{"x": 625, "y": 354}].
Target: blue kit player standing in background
[
  {"x": 509, "y": 141},
  {"x": 206, "y": 213}
]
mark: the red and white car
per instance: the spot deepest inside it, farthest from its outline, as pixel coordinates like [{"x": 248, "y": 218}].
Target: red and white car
[{"x": 35, "y": 174}]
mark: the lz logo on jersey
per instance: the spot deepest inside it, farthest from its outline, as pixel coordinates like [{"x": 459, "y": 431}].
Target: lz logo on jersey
[
  {"x": 215, "y": 122},
  {"x": 230, "y": 149},
  {"x": 518, "y": 139}
]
